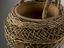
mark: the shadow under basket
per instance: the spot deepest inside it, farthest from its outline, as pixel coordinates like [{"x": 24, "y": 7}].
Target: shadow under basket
[{"x": 23, "y": 28}]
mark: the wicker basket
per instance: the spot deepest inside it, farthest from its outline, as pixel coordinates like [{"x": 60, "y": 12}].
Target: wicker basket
[{"x": 25, "y": 31}]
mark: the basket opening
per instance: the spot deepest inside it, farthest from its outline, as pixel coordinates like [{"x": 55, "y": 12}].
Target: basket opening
[{"x": 30, "y": 10}]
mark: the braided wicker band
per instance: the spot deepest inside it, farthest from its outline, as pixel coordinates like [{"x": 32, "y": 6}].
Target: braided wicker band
[{"x": 24, "y": 32}]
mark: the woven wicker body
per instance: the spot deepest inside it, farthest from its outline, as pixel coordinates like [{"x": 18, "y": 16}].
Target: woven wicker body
[{"x": 23, "y": 32}]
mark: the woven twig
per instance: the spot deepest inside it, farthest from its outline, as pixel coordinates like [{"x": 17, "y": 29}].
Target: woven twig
[{"x": 23, "y": 33}]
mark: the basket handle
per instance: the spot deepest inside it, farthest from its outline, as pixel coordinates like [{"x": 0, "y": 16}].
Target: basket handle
[{"x": 43, "y": 13}]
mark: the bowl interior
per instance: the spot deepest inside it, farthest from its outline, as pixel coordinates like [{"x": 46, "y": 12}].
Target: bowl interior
[{"x": 30, "y": 10}]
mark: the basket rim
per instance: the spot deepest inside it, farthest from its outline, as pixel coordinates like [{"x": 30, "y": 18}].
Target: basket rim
[{"x": 26, "y": 18}]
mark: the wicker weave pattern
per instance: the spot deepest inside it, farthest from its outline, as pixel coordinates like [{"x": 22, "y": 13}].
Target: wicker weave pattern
[{"x": 22, "y": 33}]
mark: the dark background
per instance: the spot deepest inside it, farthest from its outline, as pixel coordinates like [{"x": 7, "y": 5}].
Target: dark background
[{"x": 5, "y": 6}]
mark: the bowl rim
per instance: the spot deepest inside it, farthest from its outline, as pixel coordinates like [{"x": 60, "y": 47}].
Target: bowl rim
[{"x": 23, "y": 17}]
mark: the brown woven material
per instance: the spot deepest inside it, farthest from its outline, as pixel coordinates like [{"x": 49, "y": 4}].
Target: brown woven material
[{"x": 23, "y": 33}]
